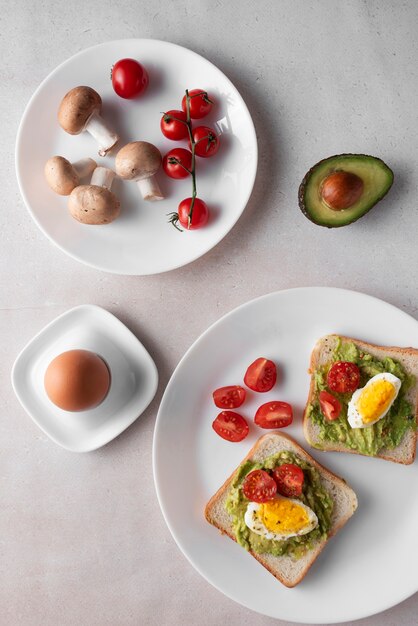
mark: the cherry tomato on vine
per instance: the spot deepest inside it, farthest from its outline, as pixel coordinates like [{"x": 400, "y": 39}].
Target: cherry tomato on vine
[
  {"x": 200, "y": 104},
  {"x": 199, "y": 216},
  {"x": 177, "y": 162},
  {"x": 129, "y": 78},
  {"x": 173, "y": 125},
  {"x": 207, "y": 142}
]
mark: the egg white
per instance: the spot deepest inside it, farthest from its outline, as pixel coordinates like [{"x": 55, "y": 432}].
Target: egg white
[
  {"x": 254, "y": 523},
  {"x": 355, "y": 419}
]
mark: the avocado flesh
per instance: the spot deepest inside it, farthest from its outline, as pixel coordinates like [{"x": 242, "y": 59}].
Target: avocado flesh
[{"x": 377, "y": 178}]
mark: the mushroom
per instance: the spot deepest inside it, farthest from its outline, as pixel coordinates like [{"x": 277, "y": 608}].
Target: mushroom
[
  {"x": 95, "y": 203},
  {"x": 62, "y": 176},
  {"x": 140, "y": 161},
  {"x": 80, "y": 110}
]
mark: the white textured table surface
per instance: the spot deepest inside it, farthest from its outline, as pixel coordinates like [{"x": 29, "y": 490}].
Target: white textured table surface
[{"x": 82, "y": 540}]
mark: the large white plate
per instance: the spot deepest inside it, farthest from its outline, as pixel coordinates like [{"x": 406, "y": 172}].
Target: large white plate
[
  {"x": 140, "y": 241},
  {"x": 370, "y": 565}
]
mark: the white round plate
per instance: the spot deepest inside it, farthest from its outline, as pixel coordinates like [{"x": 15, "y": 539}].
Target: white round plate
[
  {"x": 370, "y": 565},
  {"x": 140, "y": 241}
]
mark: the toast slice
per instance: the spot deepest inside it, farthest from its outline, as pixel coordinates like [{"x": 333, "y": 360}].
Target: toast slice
[
  {"x": 408, "y": 357},
  {"x": 287, "y": 570}
]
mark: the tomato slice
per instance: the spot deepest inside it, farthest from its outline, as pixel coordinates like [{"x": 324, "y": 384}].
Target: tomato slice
[
  {"x": 274, "y": 415},
  {"x": 261, "y": 375},
  {"x": 289, "y": 479},
  {"x": 259, "y": 486},
  {"x": 229, "y": 397},
  {"x": 230, "y": 426},
  {"x": 330, "y": 406},
  {"x": 343, "y": 377}
]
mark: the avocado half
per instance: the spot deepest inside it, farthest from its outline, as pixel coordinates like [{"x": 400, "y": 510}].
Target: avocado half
[{"x": 377, "y": 179}]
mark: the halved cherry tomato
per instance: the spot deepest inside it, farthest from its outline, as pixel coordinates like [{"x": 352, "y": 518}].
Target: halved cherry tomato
[
  {"x": 230, "y": 426},
  {"x": 343, "y": 377},
  {"x": 274, "y": 414},
  {"x": 206, "y": 140},
  {"x": 200, "y": 104},
  {"x": 229, "y": 397},
  {"x": 330, "y": 406},
  {"x": 259, "y": 486},
  {"x": 177, "y": 163},
  {"x": 129, "y": 78},
  {"x": 173, "y": 125},
  {"x": 261, "y": 375},
  {"x": 289, "y": 479}
]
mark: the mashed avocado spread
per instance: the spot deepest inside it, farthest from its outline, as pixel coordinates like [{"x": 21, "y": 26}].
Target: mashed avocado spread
[
  {"x": 388, "y": 431},
  {"x": 313, "y": 495}
]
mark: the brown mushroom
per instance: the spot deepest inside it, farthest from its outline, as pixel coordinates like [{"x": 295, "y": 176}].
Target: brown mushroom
[
  {"x": 140, "y": 161},
  {"x": 80, "y": 110},
  {"x": 95, "y": 203},
  {"x": 62, "y": 176}
]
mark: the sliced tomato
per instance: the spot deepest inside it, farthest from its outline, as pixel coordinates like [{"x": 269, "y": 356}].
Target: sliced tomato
[
  {"x": 274, "y": 415},
  {"x": 261, "y": 375},
  {"x": 259, "y": 486},
  {"x": 230, "y": 426},
  {"x": 229, "y": 397},
  {"x": 343, "y": 377},
  {"x": 289, "y": 479},
  {"x": 330, "y": 406}
]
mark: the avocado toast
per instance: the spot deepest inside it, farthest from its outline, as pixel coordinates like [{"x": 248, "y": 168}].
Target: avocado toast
[
  {"x": 328, "y": 495},
  {"x": 391, "y": 437}
]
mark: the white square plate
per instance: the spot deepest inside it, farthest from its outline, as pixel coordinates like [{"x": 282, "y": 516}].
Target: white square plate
[{"x": 134, "y": 378}]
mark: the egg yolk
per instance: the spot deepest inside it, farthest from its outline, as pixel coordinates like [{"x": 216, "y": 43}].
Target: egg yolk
[
  {"x": 375, "y": 399},
  {"x": 283, "y": 516}
]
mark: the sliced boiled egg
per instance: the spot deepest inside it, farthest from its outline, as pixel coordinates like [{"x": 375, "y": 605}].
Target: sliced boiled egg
[
  {"x": 370, "y": 403},
  {"x": 280, "y": 518}
]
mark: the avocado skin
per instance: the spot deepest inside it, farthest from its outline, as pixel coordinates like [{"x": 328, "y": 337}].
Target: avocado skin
[{"x": 345, "y": 222}]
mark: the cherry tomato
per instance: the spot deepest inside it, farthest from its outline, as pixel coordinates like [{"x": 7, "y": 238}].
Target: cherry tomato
[
  {"x": 330, "y": 406},
  {"x": 200, "y": 104},
  {"x": 129, "y": 78},
  {"x": 229, "y": 397},
  {"x": 274, "y": 415},
  {"x": 206, "y": 140},
  {"x": 343, "y": 377},
  {"x": 230, "y": 426},
  {"x": 259, "y": 486},
  {"x": 199, "y": 216},
  {"x": 173, "y": 125},
  {"x": 289, "y": 479},
  {"x": 261, "y": 375},
  {"x": 175, "y": 162}
]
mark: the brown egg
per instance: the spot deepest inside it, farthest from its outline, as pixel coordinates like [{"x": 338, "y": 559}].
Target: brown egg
[{"x": 77, "y": 380}]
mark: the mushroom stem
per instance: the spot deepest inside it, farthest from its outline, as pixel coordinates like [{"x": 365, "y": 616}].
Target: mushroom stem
[
  {"x": 84, "y": 167},
  {"x": 150, "y": 189},
  {"x": 103, "y": 177},
  {"x": 104, "y": 136}
]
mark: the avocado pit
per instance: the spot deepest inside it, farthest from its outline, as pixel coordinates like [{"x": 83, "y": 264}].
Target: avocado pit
[{"x": 341, "y": 190}]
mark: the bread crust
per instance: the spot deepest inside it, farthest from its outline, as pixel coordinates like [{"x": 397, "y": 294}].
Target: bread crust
[
  {"x": 410, "y": 440},
  {"x": 325, "y": 474}
]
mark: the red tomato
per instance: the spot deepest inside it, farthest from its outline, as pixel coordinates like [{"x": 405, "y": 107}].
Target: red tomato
[
  {"x": 199, "y": 216},
  {"x": 230, "y": 426},
  {"x": 129, "y": 78},
  {"x": 343, "y": 377},
  {"x": 229, "y": 397},
  {"x": 200, "y": 104},
  {"x": 261, "y": 375},
  {"x": 330, "y": 406},
  {"x": 173, "y": 125},
  {"x": 274, "y": 415},
  {"x": 259, "y": 486},
  {"x": 175, "y": 162},
  {"x": 206, "y": 140},
  {"x": 289, "y": 479}
]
